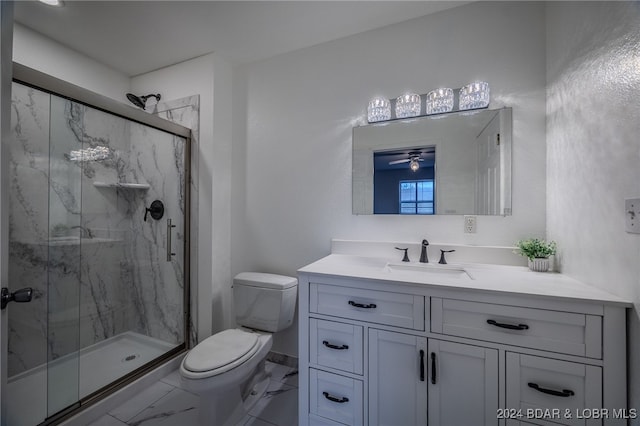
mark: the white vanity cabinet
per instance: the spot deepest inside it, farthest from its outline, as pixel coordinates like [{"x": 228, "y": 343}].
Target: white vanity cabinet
[{"x": 396, "y": 352}]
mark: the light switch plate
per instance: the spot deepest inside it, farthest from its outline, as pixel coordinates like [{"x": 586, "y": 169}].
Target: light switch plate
[{"x": 632, "y": 215}]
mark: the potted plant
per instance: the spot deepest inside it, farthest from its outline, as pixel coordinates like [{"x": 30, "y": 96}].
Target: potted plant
[{"x": 537, "y": 251}]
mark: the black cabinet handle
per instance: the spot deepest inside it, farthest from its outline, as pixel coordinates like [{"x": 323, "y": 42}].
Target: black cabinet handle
[
  {"x": 330, "y": 346},
  {"x": 508, "y": 326},
  {"x": 360, "y": 305},
  {"x": 421, "y": 365},
  {"x": 335, "y": 399},
  {"x": 433, "y": 368},
  {"x": 565, "y": 393}
]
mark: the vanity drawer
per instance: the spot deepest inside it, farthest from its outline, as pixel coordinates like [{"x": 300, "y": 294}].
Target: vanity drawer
[
  {"x": 335, "y": 397},
  {"x": 381, "y": 307},
  {"x": 544, "y": 383},
  {"x": 335, "y": 345},
  {"x": 563, "y": 332}
]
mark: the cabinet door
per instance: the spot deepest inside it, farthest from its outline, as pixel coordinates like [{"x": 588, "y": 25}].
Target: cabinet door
[
  {"x": 397, "y": 389},
  {"x": 463, "y": 384}
]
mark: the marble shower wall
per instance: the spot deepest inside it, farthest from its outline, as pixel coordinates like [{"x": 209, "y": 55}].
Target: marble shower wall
[
  {"x": 77, "y": 235},
  {"x": 186, "y": 112}
]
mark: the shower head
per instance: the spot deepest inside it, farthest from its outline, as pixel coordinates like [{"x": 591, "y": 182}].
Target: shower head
[{"x": 141, "y": 101}]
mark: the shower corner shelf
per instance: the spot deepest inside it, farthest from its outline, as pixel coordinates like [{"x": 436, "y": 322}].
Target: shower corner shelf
[{"x": 143, "y": 186}]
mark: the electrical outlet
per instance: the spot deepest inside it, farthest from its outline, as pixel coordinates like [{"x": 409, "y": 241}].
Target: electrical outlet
[
  {"x": 469, "y": 224},
  {"x": 632, "y": 212}
]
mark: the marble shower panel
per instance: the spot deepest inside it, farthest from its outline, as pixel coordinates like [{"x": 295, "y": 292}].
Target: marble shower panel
[
  {"x": 158, "y": 159},
  {"x": 186, "y": 112}
]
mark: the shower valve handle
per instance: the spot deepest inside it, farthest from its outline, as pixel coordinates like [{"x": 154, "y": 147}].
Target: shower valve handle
[
  {"x": 20, "y": 296},
  {"x": 156, "y": 210}
]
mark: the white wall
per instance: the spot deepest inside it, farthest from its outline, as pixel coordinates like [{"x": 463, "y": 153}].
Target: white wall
[
  {"x": 301, "y": 108},
  {"x": 36, "y": 51},
  {"x": 593, "y": 74},
  {"x": 210, "y": 77}
]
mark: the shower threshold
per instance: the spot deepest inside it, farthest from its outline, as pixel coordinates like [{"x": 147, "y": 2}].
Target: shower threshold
[{"x": 74, "y": 376}]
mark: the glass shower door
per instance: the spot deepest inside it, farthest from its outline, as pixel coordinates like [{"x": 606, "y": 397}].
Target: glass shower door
[
  {"x": 64, "y": 255},
  {"x": 26, "y": 396},
  {"x": 107, "y": 264}
]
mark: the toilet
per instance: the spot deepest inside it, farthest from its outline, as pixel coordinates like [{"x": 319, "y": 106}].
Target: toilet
[{"x": 227, "y": 369}]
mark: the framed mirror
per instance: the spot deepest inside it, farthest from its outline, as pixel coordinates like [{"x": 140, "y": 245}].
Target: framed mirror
[{"x": 457, "y": 163}]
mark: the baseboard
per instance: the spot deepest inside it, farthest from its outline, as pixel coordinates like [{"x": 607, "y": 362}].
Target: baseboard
[{"x": 287, "y": 360}]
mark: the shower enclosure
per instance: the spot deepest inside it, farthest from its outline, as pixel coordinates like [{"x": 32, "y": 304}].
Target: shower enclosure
[{"x": 98, "y": 229}]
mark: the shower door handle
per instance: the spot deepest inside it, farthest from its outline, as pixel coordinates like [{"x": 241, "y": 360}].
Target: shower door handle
[
  {"x": 169, "y": 232},
  {"x": 20, "y": 296}
]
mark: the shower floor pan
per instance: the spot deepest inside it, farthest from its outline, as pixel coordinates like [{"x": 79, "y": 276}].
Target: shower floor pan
[{"x": 73, "y": 377}]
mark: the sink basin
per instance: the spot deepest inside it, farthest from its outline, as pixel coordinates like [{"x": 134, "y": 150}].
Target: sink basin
[{"x": 431, "y": 270}]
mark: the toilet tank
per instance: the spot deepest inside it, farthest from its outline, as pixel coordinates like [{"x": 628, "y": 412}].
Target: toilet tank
[{"x": 264, "y": 301}]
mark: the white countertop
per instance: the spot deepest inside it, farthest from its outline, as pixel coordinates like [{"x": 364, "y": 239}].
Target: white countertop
[{"x": 485, "y": 277}]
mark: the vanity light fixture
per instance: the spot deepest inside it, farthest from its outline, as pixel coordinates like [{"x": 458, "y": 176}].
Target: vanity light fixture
[
  {"x": 408, "y": 105},
  {"x": 439, "y": 101},
  {"x": 379, "y": 110},
  {"x": 474, "y": 95}
]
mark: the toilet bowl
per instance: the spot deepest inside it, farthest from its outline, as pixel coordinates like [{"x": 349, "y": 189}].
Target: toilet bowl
[{"x": 227, "y": 369}]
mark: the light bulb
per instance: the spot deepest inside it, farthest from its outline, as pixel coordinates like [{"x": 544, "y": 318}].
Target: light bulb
[
  {"x": 57, "y": 3},
  {"x": 474, "y": 95},
  {"x": 439, "y": 101},
  {"x": 408, "y": 105},
  {"x": 414, "y": 165},
  {"x": 379, "y": 110}
]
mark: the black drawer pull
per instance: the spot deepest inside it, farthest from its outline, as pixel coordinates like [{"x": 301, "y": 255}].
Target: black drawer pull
[
  {"x": 334, "y": 399},
  {"x": 433, "y": 368},
  {"x": 360, "y": 305},
  {"x": 509, "y": 326},
  {"x": 421, "y": 365},
  {"x": 565, "y": 393},
  {"x": 330, "y": 346}
]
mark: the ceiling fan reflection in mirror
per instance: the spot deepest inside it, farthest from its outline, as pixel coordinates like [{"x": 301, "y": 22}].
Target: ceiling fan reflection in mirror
[{"x": 413, "y": 160}]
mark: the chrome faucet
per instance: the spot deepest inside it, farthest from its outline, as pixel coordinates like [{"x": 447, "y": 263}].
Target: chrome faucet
[
  {"x": 423, "y": 254},
  {"x": 84, "y": 232}
]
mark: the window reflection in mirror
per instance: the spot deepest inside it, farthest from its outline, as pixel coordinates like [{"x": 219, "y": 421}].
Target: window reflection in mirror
[
  {"x": 462, "y": 162},
  {"x": 404, "y": 181}
]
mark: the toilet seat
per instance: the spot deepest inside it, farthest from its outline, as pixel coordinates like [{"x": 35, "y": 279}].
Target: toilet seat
[{"x": 221, "y": 352}]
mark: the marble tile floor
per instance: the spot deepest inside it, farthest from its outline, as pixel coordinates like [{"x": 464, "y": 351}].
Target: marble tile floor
[{"x": 165, "y": 403}]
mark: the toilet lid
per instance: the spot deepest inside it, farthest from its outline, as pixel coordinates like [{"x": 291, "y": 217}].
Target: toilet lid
[{"x": 220, "y": 350}]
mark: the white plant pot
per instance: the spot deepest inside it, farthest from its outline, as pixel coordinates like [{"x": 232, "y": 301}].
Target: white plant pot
[{"x": 539, "y": 264}]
